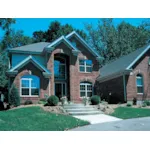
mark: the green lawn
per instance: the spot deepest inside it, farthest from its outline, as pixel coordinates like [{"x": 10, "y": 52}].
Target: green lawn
[
  {"x": 128, "y": 112},
  {"x": 36, "y": 119}
]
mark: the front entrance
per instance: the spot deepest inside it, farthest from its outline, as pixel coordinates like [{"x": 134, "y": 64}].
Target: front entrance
[{"x": 60, "y": 89}]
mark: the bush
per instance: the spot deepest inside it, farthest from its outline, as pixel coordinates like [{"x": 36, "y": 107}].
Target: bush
[
  {"x": 95, "y": 100},
  {"x": 144, "y": 105},
  {"x": 53, "y": 100},
  {"x": 28, "y": 102},
  {"x": 147, "y": 102},
  {"x": 134, "y": 101},
  {"x": 129, "y": 104},
  {"x": 14, "y": 96},
  {"x": 42, "y": 101}
]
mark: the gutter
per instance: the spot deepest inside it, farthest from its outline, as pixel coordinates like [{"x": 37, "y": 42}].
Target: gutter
[{"x": 114, "y": 75}]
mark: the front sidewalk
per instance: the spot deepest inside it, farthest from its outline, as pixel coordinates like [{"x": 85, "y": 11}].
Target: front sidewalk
[
  {"x": 97, "y": 118},
  {"x": 136, "y": 124}
]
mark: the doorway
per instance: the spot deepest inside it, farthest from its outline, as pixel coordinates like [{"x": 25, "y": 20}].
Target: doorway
[{"x": 60, "y": 89}]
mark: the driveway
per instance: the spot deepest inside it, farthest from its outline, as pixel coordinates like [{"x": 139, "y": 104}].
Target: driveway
[
  {"x": 138, "y": 124},
  {"x": 99, "y": 118}
]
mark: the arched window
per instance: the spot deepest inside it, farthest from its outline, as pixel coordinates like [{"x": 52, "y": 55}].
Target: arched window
[
  {"x": 30, "y": 85},
  {"x": 139, "y": 84},
  {"x": 86, "y": 89},
  {"x": 60, "y": 68}
]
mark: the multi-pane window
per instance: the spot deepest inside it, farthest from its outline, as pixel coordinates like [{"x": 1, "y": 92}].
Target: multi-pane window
[
  {"x": 86, "y": 89},
  {"x": 60, "y": 68},
  {"x": 139, "y": 84},
  {"x": 85, "y": 65},
  {"x": 30, "y": 85}
]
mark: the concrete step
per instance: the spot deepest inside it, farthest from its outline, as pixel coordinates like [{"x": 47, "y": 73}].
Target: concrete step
[
  {"x": 76, "y": 106},
  {"x": 79, "y": 109},
  {"x": 85, "y": 113}
]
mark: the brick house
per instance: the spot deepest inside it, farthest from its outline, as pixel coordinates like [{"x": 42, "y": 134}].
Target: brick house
[
  {"x": 126, "y": 78},
  {"x": 67, "y": 66}
]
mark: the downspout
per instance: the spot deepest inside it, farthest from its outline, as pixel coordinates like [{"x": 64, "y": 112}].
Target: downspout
[{"x": 124, "y": 86}]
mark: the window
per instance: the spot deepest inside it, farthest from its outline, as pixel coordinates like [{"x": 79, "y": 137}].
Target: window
[
  {"x": 60, "y": 68},
  {"x": 85, "y": 65},
  {"x": 30, "y": 85},
  {"x": 86, "y": 89},
  {"x": 139, "y": 84}
]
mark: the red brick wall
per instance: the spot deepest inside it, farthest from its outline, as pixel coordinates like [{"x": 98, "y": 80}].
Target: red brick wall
[
  {"x": 113, "y": 87},
  {"x": 44, "y": 83},
  {"x": 143, "y": 68},
  {"x": 75, "y": 77}
]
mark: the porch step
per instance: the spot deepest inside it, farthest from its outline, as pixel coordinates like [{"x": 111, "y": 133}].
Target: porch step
[{"x": 80, "y": 109}]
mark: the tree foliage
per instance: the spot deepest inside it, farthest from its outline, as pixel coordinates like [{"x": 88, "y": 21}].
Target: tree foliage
[
  {"x": 113, "y": 41},
  {"x": 15, "y": 39},
  {"x": 3, "y": 68},
  {"x": 54, "y": 31}
]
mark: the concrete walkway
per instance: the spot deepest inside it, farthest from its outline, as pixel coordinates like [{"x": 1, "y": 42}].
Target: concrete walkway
[
  {"x": 99, "y": 118},
  {"x": 137, "y": 124}
]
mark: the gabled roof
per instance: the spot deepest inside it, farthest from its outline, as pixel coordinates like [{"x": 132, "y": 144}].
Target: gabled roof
[
  {"x": 123, "y": 64},
  {"x": 26, "y": 61},
  {"x": 74, "y": 33},
  {"x": 46, "y": 46},
  {"x": 59, "y": 40},
  {"x": 35, "y": 47}
]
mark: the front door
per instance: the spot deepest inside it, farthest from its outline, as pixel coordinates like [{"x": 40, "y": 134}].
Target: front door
[{"x": 60, "y": 89}]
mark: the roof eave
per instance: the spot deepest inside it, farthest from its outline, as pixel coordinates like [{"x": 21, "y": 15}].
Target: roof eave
[{"x": 114, "y": 75}]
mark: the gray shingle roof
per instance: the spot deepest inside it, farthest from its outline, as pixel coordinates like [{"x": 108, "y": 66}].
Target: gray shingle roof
[
  {"x": 36, "y": 47},
  {"x": 121, "y": 64}
]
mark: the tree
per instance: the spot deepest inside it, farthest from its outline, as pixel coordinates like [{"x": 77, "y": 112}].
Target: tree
[
  {"x": 112, "y": 41},
  {"x": 3, "y": 68},
  {"x": 5, "y": 24},
  {"x": 39, "y": 36},
  {"x": 15, "y": 39},
  {"x": 55, "y": 30}
]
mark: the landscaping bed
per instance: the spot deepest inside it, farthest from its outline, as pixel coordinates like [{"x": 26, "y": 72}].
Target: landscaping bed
[{"x": 34, "y": 118}]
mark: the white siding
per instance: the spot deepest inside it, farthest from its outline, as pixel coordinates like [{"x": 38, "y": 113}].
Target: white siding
[{"x": 17, "y": 58}]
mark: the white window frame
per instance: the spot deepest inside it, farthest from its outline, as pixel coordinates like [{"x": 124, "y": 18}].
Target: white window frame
[
  {"x": 86, "y": 91},
  {"x": 139, "y": 77},
  {"x": 30, "y": 88},
  {"x": 85, "y": 66}
]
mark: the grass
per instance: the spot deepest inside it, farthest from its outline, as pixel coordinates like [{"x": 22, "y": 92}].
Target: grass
[
  {"x": 36, "y": 119},
  {"x": 128, "y": 112}
]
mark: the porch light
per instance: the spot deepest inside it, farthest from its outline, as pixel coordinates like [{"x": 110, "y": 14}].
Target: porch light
[{"x": 100, "y": 59}]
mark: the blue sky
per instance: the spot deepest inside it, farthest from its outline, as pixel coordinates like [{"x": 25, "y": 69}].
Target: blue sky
[{"x": 29, "y": 25}]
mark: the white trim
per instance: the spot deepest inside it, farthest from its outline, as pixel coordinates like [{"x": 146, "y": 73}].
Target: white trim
[
  {"x": 140, "y": 77},
  {"x": 30, "y": 88},
  {"x": 144, "y": 51},
  {"x": 83, "y": 42},
  {"x": 26, "y": 61},
  {"x": 85, "y": 66},
  {"x": 86, "y": 91},
  {"x": 57, "y": 41}
]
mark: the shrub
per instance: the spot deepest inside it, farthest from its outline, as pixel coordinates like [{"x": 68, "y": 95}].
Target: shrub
[
  {"x": 14, "y": 96},
  {"x": 85, "y": 100},
  {"x": 95, "y": 99},
  {"x": 53, "y": 100},
  {"x": 129, "y": 104},
  {"x": 28, "y": 102},
  {"x": 147, "y": 102},
  {"x": 144, "y": 105},
  {"x": 43, "y": 99}
]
